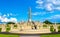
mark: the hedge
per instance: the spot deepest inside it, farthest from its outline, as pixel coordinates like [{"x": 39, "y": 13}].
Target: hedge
[
  {"x": 52, "y": 29},
  {"x": 0, "y": 29},
  {"x": 8, "y": 29},
  {"x": 58, "y": 28}
]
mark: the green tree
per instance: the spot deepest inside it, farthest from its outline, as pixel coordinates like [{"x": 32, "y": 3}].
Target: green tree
[
  {"x": 8, "y": 29},
  {"x": 0, "y": 29},
  {"x": 47, "y": 22},
  {"x": 15, "y": 26},
  {"x": 10, "y": 23},
  {"x": 58, "y": 28},
  {"x": 7, "y": 25},
  {"x": 51, "y": 28},
  {"x": 44, "y": 25}
]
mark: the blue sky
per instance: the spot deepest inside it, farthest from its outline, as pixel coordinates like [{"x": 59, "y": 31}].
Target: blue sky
[{"x": 17, "y": 10}]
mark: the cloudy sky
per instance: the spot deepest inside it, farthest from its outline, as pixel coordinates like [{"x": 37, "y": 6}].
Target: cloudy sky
[{"x": 17, "y": 10}]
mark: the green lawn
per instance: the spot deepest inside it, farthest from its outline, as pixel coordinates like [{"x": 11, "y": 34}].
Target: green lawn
[
  {"x": 51, "y": 35},
  {"x": 7, "y": 35}
]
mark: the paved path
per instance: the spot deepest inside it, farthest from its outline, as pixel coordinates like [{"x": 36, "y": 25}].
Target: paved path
[{"x": 29, "y": 35}]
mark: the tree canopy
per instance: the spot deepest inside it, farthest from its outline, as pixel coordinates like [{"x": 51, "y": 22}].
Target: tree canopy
[
  {"x": 10, "y": 23},
  {"x": 47, "y": 22}
]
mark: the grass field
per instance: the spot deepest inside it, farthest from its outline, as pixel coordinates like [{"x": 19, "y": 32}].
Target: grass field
[
  {"x": 7, "y": 35},
  {"x": 51, "y": 35}
]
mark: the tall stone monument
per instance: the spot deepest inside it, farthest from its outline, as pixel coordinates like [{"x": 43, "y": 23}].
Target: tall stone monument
[
  {"x": 30, "y": 23},
  {"x": 29, "y": 15}
]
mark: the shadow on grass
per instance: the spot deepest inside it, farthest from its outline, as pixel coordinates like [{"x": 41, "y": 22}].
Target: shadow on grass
[{"x": 8, "y": 33}]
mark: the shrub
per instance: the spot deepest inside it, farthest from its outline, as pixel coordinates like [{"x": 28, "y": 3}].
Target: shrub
[
  {"x": 47, "y": 22},
  {"x": 58, "y": 28},
  {"x": 15, "y": 25},
  {"x": 8, "y": 29},
  {"x": 52, "y": 29},
  {"x": 0, "y": 29},
  {"x": 7, "y": 25},
  {"x": 10, "y": 23},
  {"x": 44, "y": 25},
  {"x": 39, "y": 27}
]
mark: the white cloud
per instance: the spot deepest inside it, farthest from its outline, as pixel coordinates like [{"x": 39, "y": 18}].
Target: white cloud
[
  {"x": 8, "y": 15},
  {"x": 5, "y": 19},
  {"x": 40, "y": 2},
  {"x": 48, "y": 5},
  {"x": 57, "y": 8},
  {"x": 38, "y": 13},
  {"x": 56, "y": 2},
  {"x": 4, "y": 15},
  {"x": 13, "y": 19},
  {"x": 11, "y": 14},
  {"x": 54, "y": 17}
]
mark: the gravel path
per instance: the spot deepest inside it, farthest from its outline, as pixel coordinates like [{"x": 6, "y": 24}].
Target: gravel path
[{"x": 29, "y": 35}]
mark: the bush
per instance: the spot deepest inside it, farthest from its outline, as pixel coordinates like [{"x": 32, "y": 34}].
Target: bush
[
  {"x": 7, "y": 25},
  {"x": 0, "y": 29},
  {"x": 47, "y": 22},
  {"x": 44, "y": 25},
  {"x": 8, "y": 29},
  {"x": 15, "y": 25},
  {"x": 10, "y": 23},
  {"x": 39, "y": 27},
  {"x": 52, "y": 29},
  {"x": 58, "y": 28}
]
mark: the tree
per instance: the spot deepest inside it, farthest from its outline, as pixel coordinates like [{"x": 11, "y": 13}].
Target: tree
[
  {"x": 47, "y": 22},
  {"x": 58, "y": 28},
  {"x": 15, "y": 26},
  {"x": 8, "y": 29},
  {"x": 0, "y": 29},
  {"x": 44, "y": 25},
  {"x": 52, "y": 29},
  {"x": 10, "y": 23}
]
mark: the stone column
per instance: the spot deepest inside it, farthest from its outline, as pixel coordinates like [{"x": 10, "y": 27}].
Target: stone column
[
  {"x": 29, "y": 15},
  {"x": 3, "y": 28},
  {"x": 11, "y": 27}
]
